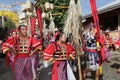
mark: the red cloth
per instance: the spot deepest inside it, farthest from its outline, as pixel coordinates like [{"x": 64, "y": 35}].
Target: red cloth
[
  {"x": 33, "y": 21},
  {"x": 96, "y": 21},
  {"x": 57, "y": 34},
  {"x": 92, "y": 50},
  {"x": 55, "y": 71},
  {"x": 102, "y": 41},
  {"x": 95, "y": 17},
  {"x": 117, "y": 42},
  {"x": 50, "y": 51},
  {"x": 14, "y": 41},
  {"x": 39, "y": 17},
  {"x": 9, "y": 43},
  {"x": 7, "y": 60}
]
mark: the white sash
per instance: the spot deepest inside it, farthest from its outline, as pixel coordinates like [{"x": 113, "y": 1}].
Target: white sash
[{"x": 70, "y": 73}]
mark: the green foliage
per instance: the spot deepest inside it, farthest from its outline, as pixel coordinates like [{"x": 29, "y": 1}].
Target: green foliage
[
  {"x": 10, "y": 24},
  {"x": 58, "y": 19}
]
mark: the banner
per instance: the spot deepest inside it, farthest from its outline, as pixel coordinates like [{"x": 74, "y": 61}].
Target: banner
[
  {"x": 33, "y": 21},
  {"x": 97, "y": 25},
  {"x": 39, "y": 17},
  {"x": 95, "y": 17}
]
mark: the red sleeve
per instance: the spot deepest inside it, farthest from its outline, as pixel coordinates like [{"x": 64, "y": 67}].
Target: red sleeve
[
  {"x": 8, "y": 44},
  {"x": 35, "y": 43},
  {"x": 71, "y": 50},
  {"x": 49, "y": 51},
  {"x": 117, "y": 42}
]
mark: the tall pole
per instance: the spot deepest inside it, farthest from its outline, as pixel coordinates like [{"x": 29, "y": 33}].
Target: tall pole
[
  {"x": 29, "y": 23},
  {"x": 97, "y": 25},
  {"x": 3, "y": 20},
  {"x": 80, "y": 29},
  {"x": 29, "y": 27},
  {"x": 73, "y": 26}
]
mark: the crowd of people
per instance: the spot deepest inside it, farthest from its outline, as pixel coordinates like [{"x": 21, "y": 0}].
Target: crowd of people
[{"x": 24, "y": 53}]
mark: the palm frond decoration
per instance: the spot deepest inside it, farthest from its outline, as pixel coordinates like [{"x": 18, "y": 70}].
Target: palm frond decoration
[
  {"x": 73, "y": 25},
  {"x": 52, "y": 25}
]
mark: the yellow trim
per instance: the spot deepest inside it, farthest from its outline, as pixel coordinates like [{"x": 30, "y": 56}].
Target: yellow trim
[
  {"x": 100, "y": 70},
  {"x": 98, "y": 44}
]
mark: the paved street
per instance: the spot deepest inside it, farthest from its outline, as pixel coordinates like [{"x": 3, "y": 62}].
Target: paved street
[
  {"x": 109, "y": 70},
  {"x": 5, "y": 73}
]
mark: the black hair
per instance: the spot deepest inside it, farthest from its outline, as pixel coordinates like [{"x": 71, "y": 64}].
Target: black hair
[{"x": 21, "y": 26}]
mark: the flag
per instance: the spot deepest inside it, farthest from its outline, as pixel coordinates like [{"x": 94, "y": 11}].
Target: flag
[
  {"x": 97, "y": 25},
  {"x": 95, "y": 17},
  {"x": 33, "y": 21},
  {"x": 39, "y": 17}
]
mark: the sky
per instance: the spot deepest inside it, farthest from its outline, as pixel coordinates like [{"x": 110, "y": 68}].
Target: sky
[{"x": 85, "y": 4}]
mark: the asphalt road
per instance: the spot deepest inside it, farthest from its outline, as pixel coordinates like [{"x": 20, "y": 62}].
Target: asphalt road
[{"x": 109, "y": 70}]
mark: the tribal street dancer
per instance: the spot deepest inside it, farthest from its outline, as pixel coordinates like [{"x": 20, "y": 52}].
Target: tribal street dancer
[
  {"x": 107, "y": 46},
  {"x": 11, "y": 56},
  {"x": 92, "y": 53},
  {"x": 59, "y": 52},
  {"x": 21, "y": 47}
]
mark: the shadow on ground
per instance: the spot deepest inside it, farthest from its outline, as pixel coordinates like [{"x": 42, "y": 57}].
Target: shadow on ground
[{"x": 115, "y": 65}]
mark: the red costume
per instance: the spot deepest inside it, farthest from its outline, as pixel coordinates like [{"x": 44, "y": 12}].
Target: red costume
[
  {"x": 102, "y": 41},
  {"x": 50, "y": 52},
  {"x": 22, "y": 61},
  {"x": 117, "y": 42}
]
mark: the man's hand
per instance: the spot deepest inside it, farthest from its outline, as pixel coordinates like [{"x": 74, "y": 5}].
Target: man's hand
[
  {"x": 15, "y": 52},
  {"x": 37, "y": 49},
  {"x": 98, "y": 48},
  {"x": 5, "y": 50},
  {"x": 72, "y": 57}
]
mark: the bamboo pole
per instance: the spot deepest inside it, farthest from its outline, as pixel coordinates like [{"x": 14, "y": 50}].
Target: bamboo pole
[
  {"x": 79, "y": 68},
  {"x": 80, "y": 36},
  {"x": 78, "y": 59},
  {"x": 56, "y": 14},
  {"x": 73, "y": 25},
  {"x": 62, "y": 6}
]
